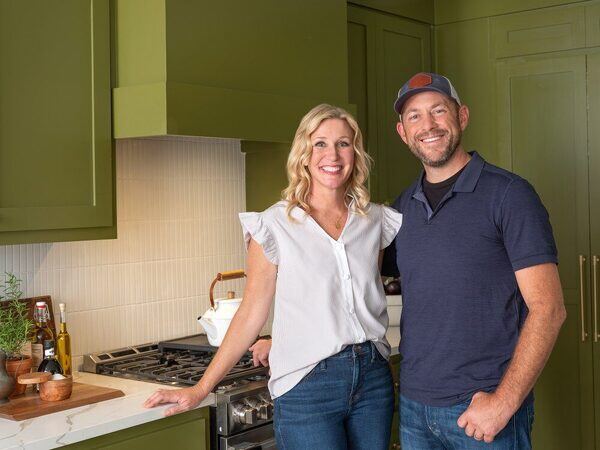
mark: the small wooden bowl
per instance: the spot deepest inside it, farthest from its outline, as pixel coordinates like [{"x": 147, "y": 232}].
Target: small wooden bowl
[
  {"x": 34, "y": 377},
  {"x": 55, "y": 390},
  {"x": 50, "y": 390}
]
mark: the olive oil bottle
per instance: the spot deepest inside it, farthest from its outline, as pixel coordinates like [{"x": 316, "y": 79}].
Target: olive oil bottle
[{"x": 63, "y": 342}]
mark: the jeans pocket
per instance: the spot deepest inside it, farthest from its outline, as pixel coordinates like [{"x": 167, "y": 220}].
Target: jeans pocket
[
  {"x": 319, "y": 368},
  {"x": 378, "y": 356}
]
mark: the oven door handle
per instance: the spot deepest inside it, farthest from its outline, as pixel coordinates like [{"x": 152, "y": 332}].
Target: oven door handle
[{"x": 268, "y": 444}]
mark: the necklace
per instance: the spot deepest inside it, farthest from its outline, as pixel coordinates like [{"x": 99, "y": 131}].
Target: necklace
[{"x": 322, "y": 220}]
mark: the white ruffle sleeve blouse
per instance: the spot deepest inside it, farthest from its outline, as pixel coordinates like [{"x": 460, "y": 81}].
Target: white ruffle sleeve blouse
[{"x": 329, "y": 293}]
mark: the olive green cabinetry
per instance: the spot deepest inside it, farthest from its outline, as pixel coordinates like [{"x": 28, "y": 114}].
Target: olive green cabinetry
[
  {"x": 395, "y": 437},
  {"x": 186, "y": 431},
  {"x": 543, "y": 130},
  {"x": 593, "y": 86},
  {"x": 384, "y": 51},
  {"x": 56, "y": 154},
  {"x": 531, "y": 79}
]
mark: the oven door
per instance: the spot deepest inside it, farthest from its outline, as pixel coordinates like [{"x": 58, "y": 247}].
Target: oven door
[{"x": 261, "y": 438}]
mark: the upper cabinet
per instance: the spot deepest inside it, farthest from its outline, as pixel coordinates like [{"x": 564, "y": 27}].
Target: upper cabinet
[
  {"x": 384, "y": 51},
  {"x": 542, "y": 31},
  {"x": 233, "y": 69},
  {"x": 56, "y": 154}
]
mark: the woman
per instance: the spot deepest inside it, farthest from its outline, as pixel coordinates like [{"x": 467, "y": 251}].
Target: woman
[{"x": 317, "y": 253}]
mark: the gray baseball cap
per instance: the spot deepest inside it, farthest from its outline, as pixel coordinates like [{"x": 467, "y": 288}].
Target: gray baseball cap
[{"x": 421, "y": 82}]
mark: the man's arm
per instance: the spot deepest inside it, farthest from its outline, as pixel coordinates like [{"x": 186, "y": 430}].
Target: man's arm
[{"x": 488, "y": 414}]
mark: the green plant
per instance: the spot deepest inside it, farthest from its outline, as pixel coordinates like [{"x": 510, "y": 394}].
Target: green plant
[{"x": 15, "y": 325}]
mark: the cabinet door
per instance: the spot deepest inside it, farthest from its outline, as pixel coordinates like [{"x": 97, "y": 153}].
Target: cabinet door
[
  {"x": 384, "y": 52},
  {"x": 362, "y": 71},
  {"x": 185, "y": 431},
  {"x": 593, "y": 86},
  {"x": 55, "y": 120},
  {"x": 404, "y": 48},
  {"x": 542, "y": 131},
  {"x": 395, "y": 435}
]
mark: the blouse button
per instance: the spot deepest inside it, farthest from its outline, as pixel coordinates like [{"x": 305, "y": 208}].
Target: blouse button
[{"x": 347, "y": 276}]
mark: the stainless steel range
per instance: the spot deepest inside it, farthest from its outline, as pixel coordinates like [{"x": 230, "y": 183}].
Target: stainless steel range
[{"x": 242, "y": 416}]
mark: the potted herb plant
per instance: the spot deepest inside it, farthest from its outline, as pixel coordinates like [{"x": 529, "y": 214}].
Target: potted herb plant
[{"x": 15, "y": 328}]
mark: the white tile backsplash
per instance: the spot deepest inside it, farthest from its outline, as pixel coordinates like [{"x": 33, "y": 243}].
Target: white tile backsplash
[{"x": 177, "y": 205}]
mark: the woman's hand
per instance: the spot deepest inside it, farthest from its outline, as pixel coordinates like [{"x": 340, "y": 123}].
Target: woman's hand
[
  {"x": 185, "y": 399},
  {"x": 260, "y": 352}
]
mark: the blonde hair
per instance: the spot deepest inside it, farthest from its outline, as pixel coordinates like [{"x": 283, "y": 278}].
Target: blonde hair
[{"x": 299, "y": 180}]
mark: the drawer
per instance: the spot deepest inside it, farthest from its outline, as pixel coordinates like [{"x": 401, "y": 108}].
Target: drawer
[{"x": 539, "y": 31}]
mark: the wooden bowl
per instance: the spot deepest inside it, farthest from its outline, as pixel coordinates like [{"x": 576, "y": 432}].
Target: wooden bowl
[{"x": 55, "y": 390}]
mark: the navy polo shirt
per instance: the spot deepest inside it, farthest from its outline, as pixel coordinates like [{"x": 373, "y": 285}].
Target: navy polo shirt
[{"x": 462, "y": 309}]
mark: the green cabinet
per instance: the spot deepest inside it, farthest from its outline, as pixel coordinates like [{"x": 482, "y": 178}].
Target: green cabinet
[
  {"x": 532, "y": 82},
  {"x": 395, "y": 436},
  {"x": 542, "y": 129},
  {"x": 185, "y": 431},
  {"x": 384, "y": 51},
  {"x": 56, "y": 153},
  {"x": 593, "y": 292}
]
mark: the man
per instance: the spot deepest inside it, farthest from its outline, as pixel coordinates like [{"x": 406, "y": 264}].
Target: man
[{"x": 482, "y": 301}]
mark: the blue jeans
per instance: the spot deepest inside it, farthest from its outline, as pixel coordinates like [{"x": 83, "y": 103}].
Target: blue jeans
[
  {"x": 434, "y": 428},
  {"x": 345, "y": 402}
]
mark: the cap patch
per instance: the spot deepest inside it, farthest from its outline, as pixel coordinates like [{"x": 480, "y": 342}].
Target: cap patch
[{"x": 420, "y": 80}]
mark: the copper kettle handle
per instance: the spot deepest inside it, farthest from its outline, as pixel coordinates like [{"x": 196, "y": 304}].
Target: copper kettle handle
[{"x": 222, "y": 276}]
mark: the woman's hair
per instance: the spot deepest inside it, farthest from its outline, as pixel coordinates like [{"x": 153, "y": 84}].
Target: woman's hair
[{"x": 299, "y": 179}]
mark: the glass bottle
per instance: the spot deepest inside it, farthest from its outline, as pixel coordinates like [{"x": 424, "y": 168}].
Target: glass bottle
[
  {"x": 41, "y": 333},
  {"x": 50, "y": 363},
  {"x": 63, "y": 342}
]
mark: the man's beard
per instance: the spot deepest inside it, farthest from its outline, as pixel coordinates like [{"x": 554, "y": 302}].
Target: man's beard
[{"x": 444, "y": 156}]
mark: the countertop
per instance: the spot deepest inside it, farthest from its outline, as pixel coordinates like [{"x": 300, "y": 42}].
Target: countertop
[
  {"x": 85, "y": 422},
  {"x": 393, "y": 337},
  {"x": 78, "y": 424}
]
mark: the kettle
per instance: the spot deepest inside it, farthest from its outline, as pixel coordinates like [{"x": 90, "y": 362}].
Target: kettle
[{"x": 217, "y": 318}]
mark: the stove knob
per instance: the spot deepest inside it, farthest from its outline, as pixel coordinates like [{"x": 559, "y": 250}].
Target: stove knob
[
  {"x": 243, "y": 414},
  {"x": 265, "y": 412}
]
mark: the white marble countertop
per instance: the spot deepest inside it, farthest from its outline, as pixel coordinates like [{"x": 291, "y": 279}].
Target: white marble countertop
[
  {"x": 85, "y": 422},
  {"x": 393, "y": 337}
]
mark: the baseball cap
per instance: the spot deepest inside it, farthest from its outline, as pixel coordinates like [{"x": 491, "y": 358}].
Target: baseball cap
[{"x": 421, "y": 82}]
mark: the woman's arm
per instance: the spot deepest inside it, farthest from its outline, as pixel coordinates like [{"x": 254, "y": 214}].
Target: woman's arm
[{"x": 245, "y": 326}]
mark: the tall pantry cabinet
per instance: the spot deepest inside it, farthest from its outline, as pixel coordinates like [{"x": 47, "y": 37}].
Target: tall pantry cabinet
[
  {"x": 384, "y": 51},
  {"x": 541, "y": 74}
]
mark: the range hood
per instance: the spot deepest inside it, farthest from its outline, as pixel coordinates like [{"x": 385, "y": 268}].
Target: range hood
[{"x": 235, "y": 69}]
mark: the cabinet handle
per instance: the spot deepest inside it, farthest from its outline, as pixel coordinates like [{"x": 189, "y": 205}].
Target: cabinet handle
[
  {"x": 582, "y": 297},
  {"x": 595, "y": 260}
]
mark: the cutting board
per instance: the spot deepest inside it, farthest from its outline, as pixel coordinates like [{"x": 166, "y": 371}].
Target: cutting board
[{"x": 30, "y": 405}]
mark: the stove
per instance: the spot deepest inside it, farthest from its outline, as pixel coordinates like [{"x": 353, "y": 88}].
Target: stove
[{"x": 242, "y": 416}]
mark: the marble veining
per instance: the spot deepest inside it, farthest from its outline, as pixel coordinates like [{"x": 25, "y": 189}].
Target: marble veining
[{"x": 86, "y": 422}]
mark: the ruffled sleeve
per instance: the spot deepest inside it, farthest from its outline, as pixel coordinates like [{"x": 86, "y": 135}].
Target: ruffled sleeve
[
  {"x": 253, "y": 226},
  {"x": 391, "y": 221}
]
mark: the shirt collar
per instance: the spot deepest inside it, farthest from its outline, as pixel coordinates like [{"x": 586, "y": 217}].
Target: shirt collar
[{"x": 468, "y": 178}]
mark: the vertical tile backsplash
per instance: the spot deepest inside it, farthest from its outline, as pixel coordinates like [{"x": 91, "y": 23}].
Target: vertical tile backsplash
[{"x": 177, "y": 205}]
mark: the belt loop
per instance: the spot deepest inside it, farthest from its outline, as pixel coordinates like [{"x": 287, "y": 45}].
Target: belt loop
[{"x": 373, "y": 350}]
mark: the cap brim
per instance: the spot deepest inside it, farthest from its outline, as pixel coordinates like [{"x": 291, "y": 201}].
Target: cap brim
[{"x": 399, "y": 103}]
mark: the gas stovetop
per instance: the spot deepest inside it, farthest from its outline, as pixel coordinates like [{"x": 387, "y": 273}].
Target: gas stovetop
[{"x": 180, "y": 362}]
